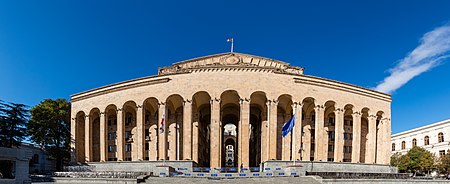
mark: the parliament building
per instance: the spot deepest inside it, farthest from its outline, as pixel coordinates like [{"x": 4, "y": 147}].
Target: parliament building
[{"x": 227, "y": 110}]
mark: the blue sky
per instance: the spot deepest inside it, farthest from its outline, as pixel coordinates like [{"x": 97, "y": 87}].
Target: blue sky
[{"x": 52, "y": 49}]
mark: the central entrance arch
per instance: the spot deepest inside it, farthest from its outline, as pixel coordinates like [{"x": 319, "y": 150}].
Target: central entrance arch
[{"x": 230, "y": 117}]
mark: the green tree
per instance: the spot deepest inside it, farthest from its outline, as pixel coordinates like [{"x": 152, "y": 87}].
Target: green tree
[
  {"x": 444, "y": 164},
  {"x": 49, "y": 126},
  {"x": 421, "y": 160},
  {"x": 13, "y": 120},
  {"x": 400, "y": 161}
]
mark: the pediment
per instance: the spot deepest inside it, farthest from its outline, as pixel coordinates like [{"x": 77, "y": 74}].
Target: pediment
[{"x": 230, "y": 59}]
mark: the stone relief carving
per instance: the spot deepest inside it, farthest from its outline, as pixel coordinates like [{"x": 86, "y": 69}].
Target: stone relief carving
[{"x": 234, "y": 60}]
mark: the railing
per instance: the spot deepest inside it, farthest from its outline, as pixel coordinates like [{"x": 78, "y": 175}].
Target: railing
[
  {"x": 225, "y": 169},
  {"x": 78, "y": 168}
]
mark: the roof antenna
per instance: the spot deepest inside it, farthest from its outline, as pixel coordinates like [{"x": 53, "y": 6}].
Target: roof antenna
[{"x": 232, "y": 43}]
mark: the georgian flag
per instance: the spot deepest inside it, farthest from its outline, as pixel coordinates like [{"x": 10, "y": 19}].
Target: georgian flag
[
  {"x": 230, "y": 40},
  {"x": 161, "y": 128},
  {"x": 287, "y": 127}
]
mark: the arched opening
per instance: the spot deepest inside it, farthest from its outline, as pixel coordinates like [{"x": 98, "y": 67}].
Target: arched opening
[
  {"x": 284, "y": 113},
  {"x": 414, "y": 142},
  {"x": 329, "y": 126},
  {"x": 175, "y": 126},
  {"x": 201, "y": 121},
  {"x": 151, "y": 129},
  {"x": 426, "y": 140},
  {"x": 364, "y": 134},
  {"x": 230, "y": 145},
  {"x": 348, "y": 132},
  {"x": 80, "y": 137},
  {"x": 111, "y": 126},
  {"x": 308, "y": 122},
  {"x": 94, "y": 116},
  {"x": 440, "y": 137},
  {"x": 258, "y": 115},
  {"x": 130, "y": 131},
  {"x": 230, "y": 116}
]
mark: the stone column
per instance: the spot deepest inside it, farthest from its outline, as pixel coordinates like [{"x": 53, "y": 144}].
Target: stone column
[
  {"x": 172, "y": 136},
  {"x": 73, "y": 133},
  {"x": 297, "y": 132},
  {"x": 187, "y": 130},
  {"x": 356, "y": 142},
  {"x": 319, "y": 142},
  {"x": 339, "y": 136},
  {"x": 162, "y": 132},
  {"x": 273, "y": 129},
  {"x": 387, "y": 149},
  {"x": 380, "y": 142},
  {"x": 87, "y": 138},
  {"x": 215, "y": 134},
  {"x": 140, "y": 127},
  {"x": 103, "y": 138},
  {"x": 370, "y": 151},
  {"x": 120, "y": 136},
  {"x": 306, "y": 152},
  {"x": 265, "y": 134},
  {"x": 286, "y": 146},
  {"x": 243, "y": 134},
  {"x": 195, "y": 141}
]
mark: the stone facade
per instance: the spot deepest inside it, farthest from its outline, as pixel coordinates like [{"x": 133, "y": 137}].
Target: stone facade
[
  {"x": 197, "y": 98},
  {"x": 434, "y": 138}
]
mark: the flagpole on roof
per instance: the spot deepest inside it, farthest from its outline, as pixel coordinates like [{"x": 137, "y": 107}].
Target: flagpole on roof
[{"x": 232, "y": 43}]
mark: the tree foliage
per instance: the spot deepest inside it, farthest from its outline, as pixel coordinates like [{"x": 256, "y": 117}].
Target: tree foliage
[
  {"x": 417, "y": 160},
  {"x": 49, "y": 126},
  {"x": 13, "y": 120}
]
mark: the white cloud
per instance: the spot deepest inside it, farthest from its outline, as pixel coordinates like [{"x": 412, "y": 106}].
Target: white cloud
[{"x": 434, "y": 47}]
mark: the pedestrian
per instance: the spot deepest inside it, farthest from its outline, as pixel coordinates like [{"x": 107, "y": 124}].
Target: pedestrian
[{"x": 242, "y": 167}]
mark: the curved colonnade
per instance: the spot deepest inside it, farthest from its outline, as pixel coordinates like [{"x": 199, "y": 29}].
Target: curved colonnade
[{"x": 181, "y": 115}]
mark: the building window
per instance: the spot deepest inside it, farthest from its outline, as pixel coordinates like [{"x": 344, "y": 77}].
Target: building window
[
  {"x": 112, "y": 148},
  {"x": 331, "y": 136},
  {"x": 128, "y": 118},
  {"x": 331, "y": 121},
  {"x": 112, "y": 136},
  {"x": 414, "y": 142},
  {"x": 440, "y": 137},
  {"x": 330, "y": 148},
  {"x": 393, "y": 146},
  {"x": 426, "y": 140},
  {"x": 128, "y": 147},
  {"x": 403, "y": 145},
  {"x": 441, "y": 153},
  {"x": 146, "y": 147}
]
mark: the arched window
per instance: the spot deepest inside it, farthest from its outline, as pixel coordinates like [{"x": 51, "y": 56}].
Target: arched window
[
  {"x": 426, "y": 140},
  {"x": 440, "y": 137},
  {"x": 403, "y": 145},
  {"x": 393, "y": 146},
  {"x": 414, "y": 142}
]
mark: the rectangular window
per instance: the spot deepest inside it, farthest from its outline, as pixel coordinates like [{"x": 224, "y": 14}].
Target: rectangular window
[
  {"x": 112, "y": 148},
  {"x": 441, "y": 153},
  {"x": 128, "y": 147},
  {"x": 146, "y": 147}
]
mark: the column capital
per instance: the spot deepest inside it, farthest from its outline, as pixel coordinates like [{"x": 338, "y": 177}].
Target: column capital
[
  {"x": 242, "y": 100},
  {"x": 273, "y": 102},
  {"x": 214, "y": 100},
  {"x": 338, "y": 110},
  {"x": 119, "y": 110},
  {"x": 319, "y": 108},
  {"x": 372, "y": 116},
  {"x": 187, "y": 101},
  {"x": 139, "y": 106},
  {"x": 161, "y": 103},
  {"x": 102, "y": 113},
  {"x": 87, "y": 116},
  {"x": 356, "y": 114}
]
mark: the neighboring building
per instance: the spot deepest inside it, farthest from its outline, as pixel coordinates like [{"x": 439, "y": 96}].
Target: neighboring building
[
  {"x": 195, "y": 99},
  {"x": 434, "y": 138},
  {"x": 40, "y": 163}
]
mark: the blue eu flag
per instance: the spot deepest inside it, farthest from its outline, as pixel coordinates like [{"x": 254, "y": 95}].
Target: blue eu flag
[{"x": 287, "y": 127}]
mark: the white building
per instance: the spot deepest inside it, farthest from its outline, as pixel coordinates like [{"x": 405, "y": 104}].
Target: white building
[{"x": 434, "y": 138}]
